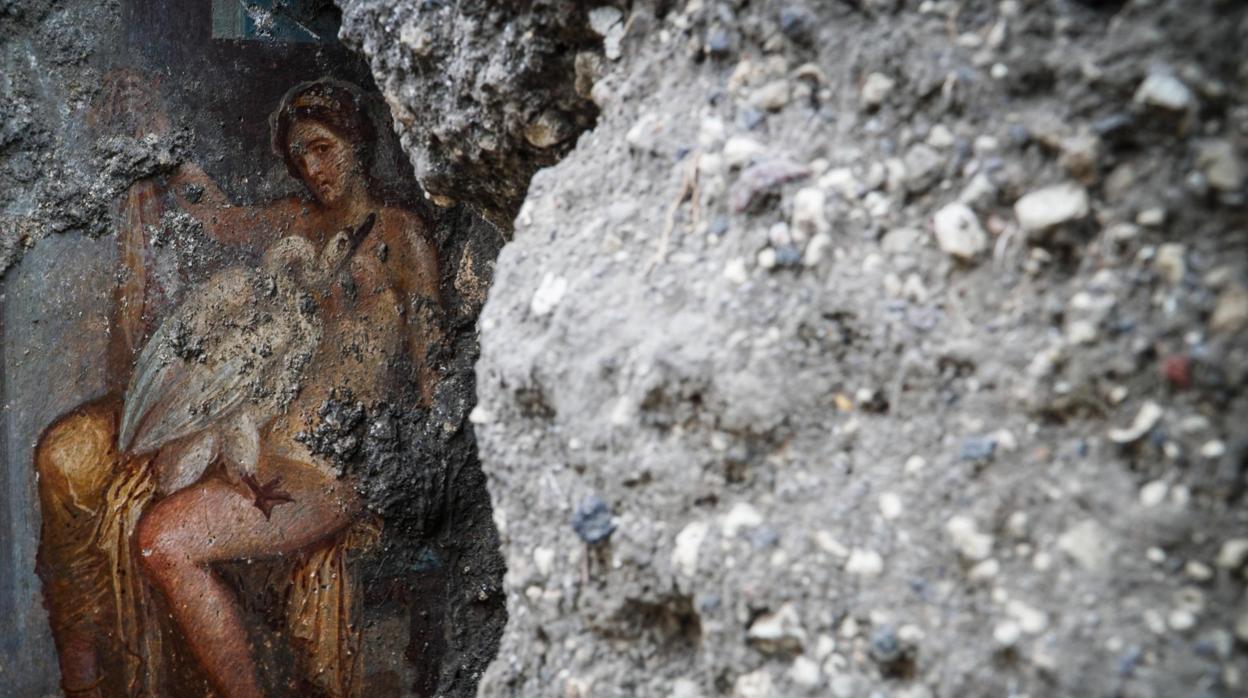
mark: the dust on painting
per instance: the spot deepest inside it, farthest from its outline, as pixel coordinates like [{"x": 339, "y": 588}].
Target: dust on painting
[{"x": 208, "y": 516}]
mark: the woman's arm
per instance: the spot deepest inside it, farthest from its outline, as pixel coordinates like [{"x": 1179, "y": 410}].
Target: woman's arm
[{"x": 246, "y": 226}]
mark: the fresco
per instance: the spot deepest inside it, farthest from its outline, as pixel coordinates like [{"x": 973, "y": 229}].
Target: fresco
[{"x": 263, "y": 338}]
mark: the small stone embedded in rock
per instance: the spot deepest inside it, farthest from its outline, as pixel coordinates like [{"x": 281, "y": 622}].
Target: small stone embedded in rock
[
  {"x": 891, "y": 506},
  {"x": 762, "y": 179},
  {"x": 1030, "y": 620},
  {"x": 924, "y": 166},
  {"x": 1150, "y": 413},
  {"x": 772, "y": 97},
  {"x": 645, "y": 133},
  {"x": 735, "y": 271},
  {"x": 1221, "y": 165},
  {"x": 742, "y": 515},
  {"x": 875, "y": 89},
  {"x": 886, "y": 649},
  {"x": 757, "y": 684},
  {"x": 719, "y": 42},
  {"x": 1171, "y": 262},
  {"x": 977, "y": 448},
  {"x": 688, "y": 543},
  {"x": 805, "y": 672},
  {"x": 549, "y": 129},
  {"x": 1151, "y": 217},
  {"x": 544, "y": 560},
  {"x": 1230, "y": 313},
  {"x": 797, "y": 23},
  {"x": 593, "y": 520},
  {"x": 780, "y": 631},
  {"x": 685, "y": 688},
  {"x": 1006, "y": 634},
  {"x": 1081, "y": 156},
  {"x": 1154, "y": 493},
  {"x": 1087, "y": 544},
  {"x": 1164, "y": 90},
  {"x": 607, "y": 22},
  {"x": 548, "y": 294},
  {"x": 959, "y": 233},
  {"x": 740, "y": 150},
  {"x": 817, "y": 249},
  {"x": 1233, "y": 554},
  {"x": 940, "y": 137},
  {"x": 1051, "y": 206},
  {"x": 864, "y": 563},
  {"x": 970, "y": 543},
  {"x": 808, "y": 211}
]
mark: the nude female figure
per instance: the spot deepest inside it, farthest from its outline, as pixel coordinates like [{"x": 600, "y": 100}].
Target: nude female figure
[{"x": 381, "y": 309}]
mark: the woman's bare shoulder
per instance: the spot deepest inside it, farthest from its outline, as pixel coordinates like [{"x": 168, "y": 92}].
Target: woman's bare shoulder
[
  {"x": 403, "y": 220},
  {"x": 406, "y": 228}
]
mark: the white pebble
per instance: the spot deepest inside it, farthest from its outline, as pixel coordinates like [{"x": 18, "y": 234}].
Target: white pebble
[
  {"x": 735, "y": 271},
  {"x": 864, "y": 563},
  {"x": 1161, "y": 89},
  {"x": 1007, "y": 633},
  {"x": 1031, "y": 620},
  {"x": 1233, "y": 553},
  {"x": 805, "y": 672},
  {"x": 1151, "y": 217},
  {"x": 1154, "y": 493},
  {"x": 1181, "y": 620},
  {"x": 967, "y": 539},
  {"x": 890, "y": 506},
  {"x": 808, "y": 214},
  {"x": 875, "y": 89},
  {"x": 1213, "y": 449},
  {"x": 741, "y": 515},
  {"x": 548, "y": 294},
  {"x": 1051, "y": 206},
  {"x": 958, "y": 232},
  {"x": 1150, "y": 413},
  {"x": 688, "y": 543},
  {"x": 739, "y": 150},
  {"x": 1086, "y": 543},
  {"x": 1198, "y": 571}
]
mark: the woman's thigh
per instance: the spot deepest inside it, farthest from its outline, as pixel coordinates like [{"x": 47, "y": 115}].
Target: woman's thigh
[{"x": 215, "y": 521}]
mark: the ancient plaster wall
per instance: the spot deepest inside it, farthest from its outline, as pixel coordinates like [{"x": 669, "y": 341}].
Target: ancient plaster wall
[
  {"x": 62, "y": 169},
  {"x": 859, "y": 348}
]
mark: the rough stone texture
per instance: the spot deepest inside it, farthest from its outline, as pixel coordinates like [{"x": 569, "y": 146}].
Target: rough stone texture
[
  {"x": 508, "y": 80},
  {"x": 843, "y": 462}
]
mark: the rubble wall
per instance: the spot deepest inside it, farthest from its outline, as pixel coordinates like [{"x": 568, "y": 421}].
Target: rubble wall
[{"x": 858, "y": 348}]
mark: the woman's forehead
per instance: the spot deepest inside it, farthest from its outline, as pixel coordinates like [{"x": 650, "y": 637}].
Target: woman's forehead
[{"x": 308, "y": 129}]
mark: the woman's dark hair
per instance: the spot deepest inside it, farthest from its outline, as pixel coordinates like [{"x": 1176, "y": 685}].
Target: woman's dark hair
[{"x": 336, "y": 105}]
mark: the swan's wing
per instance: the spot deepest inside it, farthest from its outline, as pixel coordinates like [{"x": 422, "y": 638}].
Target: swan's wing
[
  {"x": 155, "y": 368},
  {"x": 175, "y": 388},
  {"x": 249, "y": 325},
  {"x": 194, "y": 403}
]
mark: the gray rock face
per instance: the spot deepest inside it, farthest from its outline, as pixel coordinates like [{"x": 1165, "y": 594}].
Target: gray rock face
[
  {"x": 782, "y": 445},
  {"x": 483, "y": 94}
]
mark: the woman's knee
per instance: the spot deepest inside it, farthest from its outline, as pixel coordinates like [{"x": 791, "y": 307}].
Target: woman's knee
[
  {"x": 161, "y": 547},
  {"x": 75, "y": 457}
]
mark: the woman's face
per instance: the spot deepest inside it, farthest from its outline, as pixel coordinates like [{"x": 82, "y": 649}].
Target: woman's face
[{"x": 326, "y": 161}]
